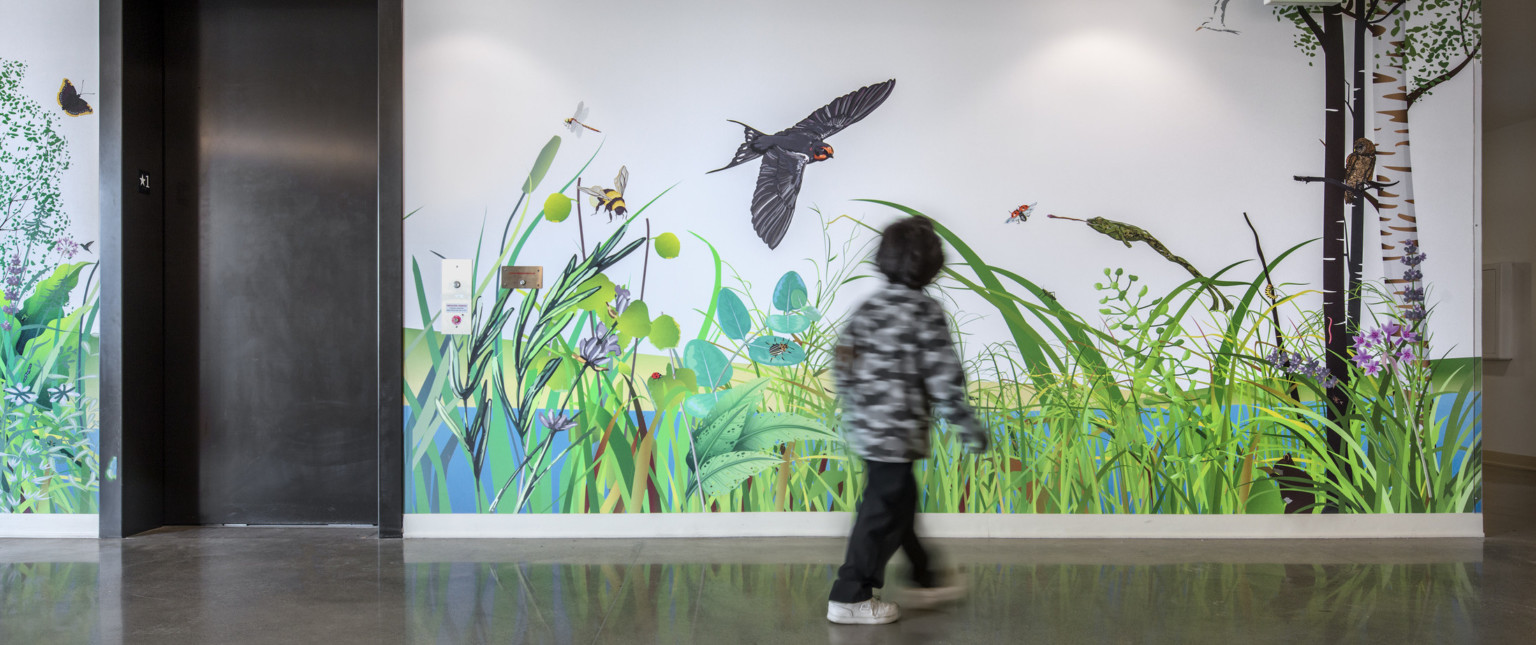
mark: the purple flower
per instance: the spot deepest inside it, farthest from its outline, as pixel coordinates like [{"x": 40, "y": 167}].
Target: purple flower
[
  {"x": 1279, "y": 360},
  {"x": 1372, "y": 368},
  {"x": 1392, "y": 330},
  {"x": 1413, "y": 275},
  {"x": 1416, "y": 312},
  {"x": 1413, "y": 294},
  {"x": 1414, "y": 259},
  {"x": 5, "y": 324},
  {"x": 66, "y": 247},
  {"x": 595, "y": 349},
  {"x": 1363, "y": 360},
  {"x": 558, "y": 422},
  {"x": 1410, "y": 336},
  {"x": 1411, "y": 246},
  {"x": 620, "y": 299},
  {"x": 1373, "y": 337},
  {"x": 10, "y": 310},
  {"x": 1404, "y": 354}
]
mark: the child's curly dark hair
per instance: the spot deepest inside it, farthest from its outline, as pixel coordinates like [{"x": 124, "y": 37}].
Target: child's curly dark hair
[{"x": 910, "y": 252}]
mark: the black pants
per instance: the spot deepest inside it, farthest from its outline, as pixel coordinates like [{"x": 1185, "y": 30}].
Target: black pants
[{"x": 885, "y": 523}]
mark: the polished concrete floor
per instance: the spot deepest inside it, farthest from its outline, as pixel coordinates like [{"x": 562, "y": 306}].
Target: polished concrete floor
[{"x": 335, "y": 586}]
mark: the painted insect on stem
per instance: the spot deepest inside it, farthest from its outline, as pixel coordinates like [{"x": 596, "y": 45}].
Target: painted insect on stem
[
  {"x": 575, "y": 123},
  {"x": 1128, "y": 233}
]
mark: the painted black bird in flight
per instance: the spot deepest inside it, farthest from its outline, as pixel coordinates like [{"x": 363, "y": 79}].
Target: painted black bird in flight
[{"x": 786, "y": 153}]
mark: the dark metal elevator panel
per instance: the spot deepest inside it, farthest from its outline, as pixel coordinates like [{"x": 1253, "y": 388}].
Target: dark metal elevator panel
[{"x": 271, "y": 284}]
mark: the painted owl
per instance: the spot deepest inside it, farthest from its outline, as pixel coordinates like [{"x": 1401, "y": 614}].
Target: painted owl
[{"x": 1360, "y": 167}]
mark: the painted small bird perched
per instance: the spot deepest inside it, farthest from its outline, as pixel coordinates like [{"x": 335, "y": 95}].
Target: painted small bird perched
[
  {"x": 786, "y": 153},
  {"x": 1360, "y": 168}
]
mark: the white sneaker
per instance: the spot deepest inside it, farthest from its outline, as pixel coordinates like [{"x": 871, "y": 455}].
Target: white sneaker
[
  {"x": 869, "y": 612},
  {"x": 952, "y": 590}
]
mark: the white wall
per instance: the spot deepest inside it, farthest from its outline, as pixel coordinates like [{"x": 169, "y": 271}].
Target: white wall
[
  {"x": 58, "y": 39},
  {"x": 1113, "y": 108}
]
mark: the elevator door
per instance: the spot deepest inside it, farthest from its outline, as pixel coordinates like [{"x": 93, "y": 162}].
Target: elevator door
[{"x": 271, "y": 209}]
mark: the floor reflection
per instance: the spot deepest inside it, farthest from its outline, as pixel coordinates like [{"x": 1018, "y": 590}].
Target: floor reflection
[
  {"x": 48, "y": 602},
  {"x": 335, "y": 587},
  {"x": 687, "y": 603}
]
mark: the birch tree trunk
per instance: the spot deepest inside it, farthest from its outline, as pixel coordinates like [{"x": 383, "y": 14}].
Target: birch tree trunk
[{"x": 1398, "y": 218}]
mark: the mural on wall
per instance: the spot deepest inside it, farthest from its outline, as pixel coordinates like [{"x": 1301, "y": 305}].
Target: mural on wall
[
  {"x": 48, "y": 459},
  {"x": 1231, "y": 388}
]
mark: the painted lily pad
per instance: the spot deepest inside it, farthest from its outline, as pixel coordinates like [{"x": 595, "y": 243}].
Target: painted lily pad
[
  {"x": 790, "y": 294},
  {"x": 732, "y": 315},
  {"x": 776, "y": 350},
  {"x": 789, "y": 323}
]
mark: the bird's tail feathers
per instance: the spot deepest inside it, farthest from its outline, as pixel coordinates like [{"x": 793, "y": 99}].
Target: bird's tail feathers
[{"x": 744, "y": 152}]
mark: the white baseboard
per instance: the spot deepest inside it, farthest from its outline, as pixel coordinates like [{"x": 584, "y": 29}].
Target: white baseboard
[
  {"x": 48, "y": 525},
  {"x": 948, "y": 525}
]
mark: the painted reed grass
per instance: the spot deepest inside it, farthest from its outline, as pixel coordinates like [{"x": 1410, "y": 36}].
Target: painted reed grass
[{"x": 1158, "y": 405}]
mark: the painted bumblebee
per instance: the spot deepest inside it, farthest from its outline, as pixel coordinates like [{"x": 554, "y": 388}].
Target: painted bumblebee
[{"x": 611, "y": 199}]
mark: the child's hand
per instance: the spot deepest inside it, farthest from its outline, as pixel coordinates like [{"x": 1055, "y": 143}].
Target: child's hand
[{"x": 979, "y": 445}]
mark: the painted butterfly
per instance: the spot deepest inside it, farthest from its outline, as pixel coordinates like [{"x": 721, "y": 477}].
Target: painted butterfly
[{"x": 69, "y": 99}]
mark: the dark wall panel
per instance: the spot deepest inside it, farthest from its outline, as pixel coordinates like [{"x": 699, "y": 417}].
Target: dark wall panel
[
  {"x": 271, "y": 263},
  {"x": 132, "y": 415}
]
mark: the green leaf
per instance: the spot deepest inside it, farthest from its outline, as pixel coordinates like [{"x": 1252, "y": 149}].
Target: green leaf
[
  {"x": 672, "y": 387},
  {"x": 541, "y": 165},
  {"x": 723, "y": 426},
  {"x": 668, "y": 246},
  {"x": 732, "y": 315},
  {"x": 47, "y": 302},
  {"x": 665, "y": 333},
  {"x": 788, "y": 323},
  {"x": 708, "y": 362},
  {"x": 557, "y": 207},
  {"x": 762, "y": 350},
  {"x": 598, "y": 301},
  {"x": 700, "y": 405},
  {"x": 635, "y": 322},
  {"x": 765, "y": 430},
  {"x": 810, "y": 313},
  {"x": 790, "y": 294},
  {"x": 723, "y": 473}
]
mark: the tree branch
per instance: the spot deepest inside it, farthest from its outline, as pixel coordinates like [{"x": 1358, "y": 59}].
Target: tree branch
[
  {"x": 1419, "y": 92},
  {"x": 1317, "y": 30},
  {"x": 1398, "y": 4}
]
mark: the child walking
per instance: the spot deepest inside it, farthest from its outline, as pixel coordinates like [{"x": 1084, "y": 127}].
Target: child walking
[{"x": 895, "y": 368}]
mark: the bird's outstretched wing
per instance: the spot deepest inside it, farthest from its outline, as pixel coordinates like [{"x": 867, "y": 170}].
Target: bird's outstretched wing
[
  {"x": 773, "y": 203},
  {"x": 846, "y": 110}
]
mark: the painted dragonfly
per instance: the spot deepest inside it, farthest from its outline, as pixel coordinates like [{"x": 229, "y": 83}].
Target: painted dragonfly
[{"x": 575, "y": 125}]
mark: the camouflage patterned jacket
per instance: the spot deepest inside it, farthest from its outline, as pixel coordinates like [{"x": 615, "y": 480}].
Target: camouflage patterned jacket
[{"x": 896, "y": 368}]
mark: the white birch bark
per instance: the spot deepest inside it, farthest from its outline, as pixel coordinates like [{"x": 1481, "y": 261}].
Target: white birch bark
[{"x": 1398, "y": 218}]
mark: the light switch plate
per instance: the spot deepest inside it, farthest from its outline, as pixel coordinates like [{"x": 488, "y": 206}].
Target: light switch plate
[
  {"x": 457, "y": 288},
  {"x": 522, "y": 277}
]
